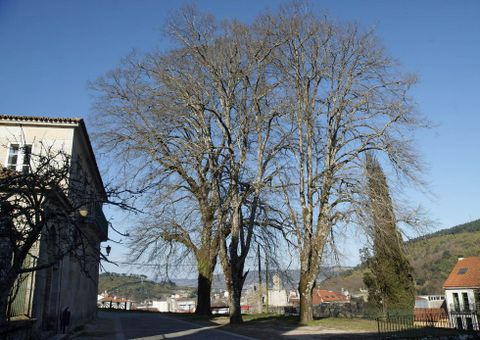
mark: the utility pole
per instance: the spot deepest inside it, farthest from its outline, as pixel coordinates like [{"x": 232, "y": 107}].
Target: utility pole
[
  {"x": 259, "y": 266},
  {"x": 266, "y": 279},
  {"x": 260, "y": 289}
]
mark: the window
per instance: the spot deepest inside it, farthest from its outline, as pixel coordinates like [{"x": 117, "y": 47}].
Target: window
[
  {"x": 456, "y": 302},
  {"x": 466, "y": 305},
  {"x": 19, "y": 157},
  {"x": 27, "y": 152},
  {"x": 462, "y": 271},
  {"x": 13, "y": 152}
]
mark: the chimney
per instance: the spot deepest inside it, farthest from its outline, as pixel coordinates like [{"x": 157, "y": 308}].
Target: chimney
[{"x": 460, "y": 258}]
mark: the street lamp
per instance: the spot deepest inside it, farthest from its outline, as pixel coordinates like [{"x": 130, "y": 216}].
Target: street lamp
[{"x": 83, "y": 212}]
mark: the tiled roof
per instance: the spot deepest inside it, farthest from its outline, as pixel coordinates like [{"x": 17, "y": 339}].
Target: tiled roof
[
  {"x": 322, "y": 295},
  {"x": 466, "y": 273},
  {"x": 51, "y": 120},
  {"x": 429, "y": 314},
  {"x": 113, "y": 299},
  {"x": 40, "y": 119}
]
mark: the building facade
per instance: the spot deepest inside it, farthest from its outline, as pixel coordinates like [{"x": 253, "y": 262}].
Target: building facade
[
  {"x": 70, "y": 283},
  {"x": 429, "y": 301},
  {"x": 462, "y": 293}
]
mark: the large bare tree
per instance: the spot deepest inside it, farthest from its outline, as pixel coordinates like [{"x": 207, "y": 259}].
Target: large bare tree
[
  {"x": 204, "y": 129},
  {"x": 196, "y": 127},
  {"x": 155, "y": 120},
  {"x": 346, "y": 97}
]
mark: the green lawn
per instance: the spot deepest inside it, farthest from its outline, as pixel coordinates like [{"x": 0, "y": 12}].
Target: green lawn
[
  {"x": 352, "y": 324},
  {"x": 252, "y": 320}
]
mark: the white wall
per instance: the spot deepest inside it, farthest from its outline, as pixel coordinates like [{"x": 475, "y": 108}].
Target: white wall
[
  {"x": 449, "y": 297},
  {"x": 277, "y": 298},
  {"x": 450, "y": 306},
  {"x": 162, "y": 306}
]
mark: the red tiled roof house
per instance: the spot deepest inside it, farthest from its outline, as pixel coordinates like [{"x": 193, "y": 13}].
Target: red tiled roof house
[
  {"x": 462, "y": 293},
  {"x": 327, "y": 296}
]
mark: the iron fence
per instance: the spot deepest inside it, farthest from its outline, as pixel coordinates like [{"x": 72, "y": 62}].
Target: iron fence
[{"x": 425, "y": 323}]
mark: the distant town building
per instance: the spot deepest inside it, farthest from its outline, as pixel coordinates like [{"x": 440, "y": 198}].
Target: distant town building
[
  {"x": 113, "y": 302},
  {"x": 160, "y": 306},
  {"x": 320, "y": 296},
  {"x": 277, "y": 296},
  {"x": 174, "y": 304},
  {"x": 361, "y": 294},
  {"x": 184, "y": 304},
  {"x": 429, "y": 301},
  {"x": 45, "y": 294},
  {"x": 462, "y": 293}
]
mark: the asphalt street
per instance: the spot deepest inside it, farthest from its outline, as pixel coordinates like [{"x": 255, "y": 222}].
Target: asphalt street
[{"x": 152, "y": 326}]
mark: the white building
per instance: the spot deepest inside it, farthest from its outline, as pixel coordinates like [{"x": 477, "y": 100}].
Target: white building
[
  {"x": 462, "y": 293},
  {"x": 47, "y": 292},
  {"x": 429, "y": 301},
  {"x": 183, "y": 304},
  {"x": 161, "y": 306},
  {"x": 174, "y": 304},
  {"x": 277, "y": 296}
]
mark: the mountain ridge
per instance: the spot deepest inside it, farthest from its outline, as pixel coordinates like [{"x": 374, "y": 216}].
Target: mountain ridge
[{"x": 432, "y": 257}]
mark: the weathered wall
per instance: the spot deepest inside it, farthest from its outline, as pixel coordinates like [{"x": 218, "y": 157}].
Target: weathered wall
[{"x": 70, "y": 283}]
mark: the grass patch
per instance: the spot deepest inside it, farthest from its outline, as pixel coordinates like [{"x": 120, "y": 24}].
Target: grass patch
[
  {"x": 347, "y": 324},
  {"x": 353, "y": 324}
]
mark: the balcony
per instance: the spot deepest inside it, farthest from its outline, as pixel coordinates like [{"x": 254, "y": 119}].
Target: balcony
[{"x": 471, "y": 307}]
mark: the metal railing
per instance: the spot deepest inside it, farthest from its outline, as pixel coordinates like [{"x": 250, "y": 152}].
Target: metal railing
[
  {"x": 425, "y": 323},
  {"x": 471, "y": 307},
  {"x": 467, "y": 320}
]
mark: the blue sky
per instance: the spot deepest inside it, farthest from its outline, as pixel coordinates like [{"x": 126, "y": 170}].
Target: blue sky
[{"x": 49, "y": 50}]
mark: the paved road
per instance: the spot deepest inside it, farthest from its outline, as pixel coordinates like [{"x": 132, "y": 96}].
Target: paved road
[{"x": 122, "y": 326}]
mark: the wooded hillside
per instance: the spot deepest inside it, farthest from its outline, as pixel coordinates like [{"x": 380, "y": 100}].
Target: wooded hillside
[
  {"x": 432, "y": 257},
  {"x": 136, "y": 287}
]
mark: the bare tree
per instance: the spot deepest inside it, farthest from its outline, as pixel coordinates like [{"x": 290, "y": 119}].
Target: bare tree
[
  {"x": 346, "y": 97},
  {"x": 157, "y": 119},
  {"x": 42, "y": 203},
  {"x": 236, "y": 58},
  {"x": 204, "y": 129},
  {"x": 196, "y": 125}
]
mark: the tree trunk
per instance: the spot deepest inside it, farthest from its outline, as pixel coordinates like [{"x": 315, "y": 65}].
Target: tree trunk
[
  {"x": 305, "y": 287},
  {"x": 235, "y": 285},
  {"x": 203, "y": 294},
  {"x": 205, "y": 266},
  {"x": 234, "y": 279}
]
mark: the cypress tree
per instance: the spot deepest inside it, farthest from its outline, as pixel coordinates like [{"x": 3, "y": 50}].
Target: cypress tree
[{"x": 389, "y": 280}]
